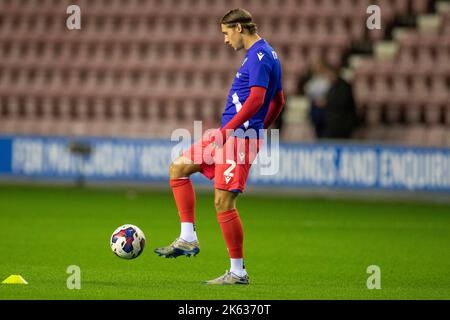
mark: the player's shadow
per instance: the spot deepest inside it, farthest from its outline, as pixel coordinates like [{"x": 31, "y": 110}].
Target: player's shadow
[{"x": 106, "y": 283}]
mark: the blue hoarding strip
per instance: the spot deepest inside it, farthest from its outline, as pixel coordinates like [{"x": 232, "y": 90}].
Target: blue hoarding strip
[{"x": 331, "y": 165}]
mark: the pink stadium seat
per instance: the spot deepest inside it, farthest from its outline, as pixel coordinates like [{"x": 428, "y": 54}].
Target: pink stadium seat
[
  {"x": 436, "y": 135},
  {"x": 439, "y": 90},
  {"x": 393, "y": 113},
  {"x": 413, "y": 111},
  {"x": 433, "y": 113},
  {"x": 400, "y": 6},
  {"x": 373, "y": 113},
  {"x": 396, "y": 134},
  {"x": 400, "y": 90},
  {"x": 420, "y": 90},
  {"x": 375, "y": 133},
  {"x": 419, "y": 6},
  {"x": 415, "y": 135}
]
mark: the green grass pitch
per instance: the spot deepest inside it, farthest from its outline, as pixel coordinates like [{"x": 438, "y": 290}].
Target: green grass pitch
[{"x": 295, "y": 248}]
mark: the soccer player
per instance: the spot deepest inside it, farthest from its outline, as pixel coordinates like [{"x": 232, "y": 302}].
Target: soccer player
[{"x": 254, "y": 102}]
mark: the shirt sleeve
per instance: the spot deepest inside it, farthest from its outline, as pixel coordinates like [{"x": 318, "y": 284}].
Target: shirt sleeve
[
  {"x": 251, "y": 106},
  {"x": 280, "y": 86},
  {"x": 275, "y": 108},
  {"x": 260, "y": 67}
]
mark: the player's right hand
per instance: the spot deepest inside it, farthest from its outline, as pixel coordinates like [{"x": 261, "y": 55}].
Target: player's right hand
[{"x": 215, "y": 138}]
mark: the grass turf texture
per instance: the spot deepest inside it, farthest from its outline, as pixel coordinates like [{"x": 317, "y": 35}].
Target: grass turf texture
[{"x": 295, "y": 248}]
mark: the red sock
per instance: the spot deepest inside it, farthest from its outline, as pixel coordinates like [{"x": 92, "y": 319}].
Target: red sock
[
  {"x": 184, "y": 194},
  {"x": 231, "y": 226}
]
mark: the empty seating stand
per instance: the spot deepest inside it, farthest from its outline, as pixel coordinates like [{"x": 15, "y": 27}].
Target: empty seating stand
[
  {"x": 411, "y": 91},
  {"x": 142, "y": 68}
]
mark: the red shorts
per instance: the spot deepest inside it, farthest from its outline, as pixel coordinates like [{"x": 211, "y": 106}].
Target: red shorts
[{"x": 229, "y": 165}]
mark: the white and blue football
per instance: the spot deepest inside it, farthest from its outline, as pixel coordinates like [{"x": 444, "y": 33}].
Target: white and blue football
[{"x": 128, "y": 241}]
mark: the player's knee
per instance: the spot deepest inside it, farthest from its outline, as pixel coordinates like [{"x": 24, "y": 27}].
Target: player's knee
[
  {"x": 223, "y": 203},
  {"x": 218, "y": 204},
  {"x": 177, "y": 171}
]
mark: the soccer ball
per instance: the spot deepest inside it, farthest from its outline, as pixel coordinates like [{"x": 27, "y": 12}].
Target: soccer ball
[{"x": 128, "y": 241}]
